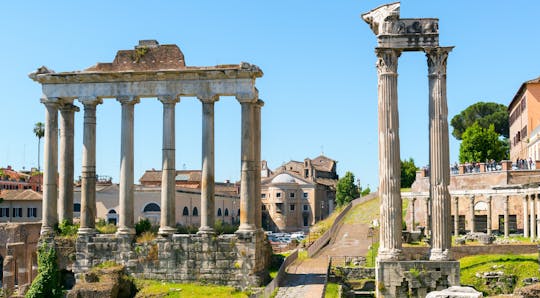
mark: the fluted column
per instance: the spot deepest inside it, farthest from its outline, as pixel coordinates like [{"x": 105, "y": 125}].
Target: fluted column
[
  {"x": 66, "y": 167},
  {"x": 168, "y": 169},
  {"x": 50, "y": 167},
  {"x": 389, "y": 158},
  {"x": 471, "y": 214},
  {"x": 506, "y": 217},
  {"x": 207, "y": 184},
  {"x": 257, "y": 143},
  {"x": 249, "y": 167},
  {"x": 439, "y": 160},
  {"x": 88, "y": 171},
  {"x": 126, "y": 225},
  {"x": 538, "y": 216},
  {"x": 525, "y": 216},
  {"x": 456, "y": 216},
  {"x": 488, "y": 201},
  {"x": 532, "y": 226},
  {"x": 428, "y": 216},
  {"x": 413, "y": 211}
]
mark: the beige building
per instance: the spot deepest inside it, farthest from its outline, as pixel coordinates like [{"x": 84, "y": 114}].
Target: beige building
[
  {"x": 20, "y": 206},
  {"x": 298, "y": 194},
  {"x": 524, "y": 111}
]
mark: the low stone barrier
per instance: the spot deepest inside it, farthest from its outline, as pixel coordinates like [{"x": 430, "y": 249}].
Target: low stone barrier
[
  {"x": 458, "y": 252},
  {"x": 275, "y": 283}
]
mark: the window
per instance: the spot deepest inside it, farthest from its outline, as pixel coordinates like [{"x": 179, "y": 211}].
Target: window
[
  {"x": 226, "y": 211},
  {"x": 77, "y": 207},
  {"x": 291, "y": 207},
  {"x": 306, "y": 223},
  {"x": 185, "y": 212},
  {"x": 306, "y": 195},
  {"x": 279, "y": 207},
  {"x": 219, "y": 212},
  {"x": 306, "y": 207},
  {"x": 31, "y": 212},
  {"x": 278, "y": 195},
  {"x": 195, "y": 211},
  {"x": 291, "y": 195},
  {"x": 17, "y": 212},
  {"x": 4, "y": 212},
  {"x": 263, "y": 196},
  {"x": 152, "y": 207}
]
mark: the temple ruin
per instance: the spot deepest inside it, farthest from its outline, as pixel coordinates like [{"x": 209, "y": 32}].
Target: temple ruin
[
  {"x": 151, "y": 70},
  {"x": 397, "y": 277}
]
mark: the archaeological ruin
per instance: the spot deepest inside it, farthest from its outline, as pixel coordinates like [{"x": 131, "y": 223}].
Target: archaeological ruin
[
  {"x": 151, "y": 70},
  {"x": 395, "y": 276}
]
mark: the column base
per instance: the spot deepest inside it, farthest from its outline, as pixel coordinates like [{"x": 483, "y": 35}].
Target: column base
[
  {"x": 390, "y": 255},
  {"x": 164, "y": 231},
  {"x": 46, "y": 231},
  {"x": 125, "y": 231},
  {"x": 205, "y": 230},
  {"x": 86, "y": 231},
  {"x": 247, "y": 228},
  {"x": 439, "y": 255}
]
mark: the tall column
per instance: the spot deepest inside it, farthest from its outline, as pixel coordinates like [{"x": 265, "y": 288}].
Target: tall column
[
  {"x": 413, "y": 211},
  {"x": 488, "y": 201},
  {"x": 456, "y": 216},
  {"x": 257, "y": 144},
  {"x": 66, "y": 170},
  {"x": 88, "y": 171},
  {"x": 208, "y": 184},
  {"x": 506, "y": 217},
  {"x": 532, "y": 226},
  {"x": 168, "y": 169},
  {"x": 126, "y": 224},
  {"x": 471, "y": 215},
  {"x": 525, "y": 216},
  {"x": 428, "y": 216},
  {"x": 249, "y": 167},
  {"x": 538, "y": 216},
  {"x": 439, "y": 160},
  {"x": 50, "y": 167},
  {"x": 389, "y": 158}
]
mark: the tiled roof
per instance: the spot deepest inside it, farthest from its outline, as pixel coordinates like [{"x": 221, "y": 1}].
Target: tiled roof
[
  {"x": 323, "y": 163},
  {"x": 327, "y": 181},
  {"x": 21, "y": 195},
  {"x": 155, "y": 175}
]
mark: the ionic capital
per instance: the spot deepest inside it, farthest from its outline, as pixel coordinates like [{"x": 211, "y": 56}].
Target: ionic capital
[
  {"x": 69, "y": 107},
  {"x": 169, "y": 99},
  {"x": 387, "y": 60},
  {"x": 89, "y": 101},
  {"x": 208, "y": 99},
  {"x": 259, "y": 104},
  {"x": 456, "y": 199},
  {"x": 436, "y": 59},
  {"x": 51, "y": 101},
  {"x": 128, "y": 99},
  {"x": 251, "y": 97}
]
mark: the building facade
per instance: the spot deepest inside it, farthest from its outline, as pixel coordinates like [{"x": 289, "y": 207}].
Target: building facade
[
  {"x": 20, "y": 206},
  {"x": 298, "y": 194},
  {"x": 10, "y": 179},
  {"x": 524, "y": 120}
]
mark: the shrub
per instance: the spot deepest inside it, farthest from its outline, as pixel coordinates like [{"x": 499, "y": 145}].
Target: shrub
[
  {"x": 47, "y": 282},
  {"x": 221, "y": 227},
  {"x": 143, "y": 225},
  {"x": 146, "y": 237},
  {"x": 67, "y": 229},
  {"x": 190, "y": 229},
  {"x": 105, "y": 228}
]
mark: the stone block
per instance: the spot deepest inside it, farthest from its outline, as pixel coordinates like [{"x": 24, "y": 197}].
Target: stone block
[{"x": 455, "y": 292}]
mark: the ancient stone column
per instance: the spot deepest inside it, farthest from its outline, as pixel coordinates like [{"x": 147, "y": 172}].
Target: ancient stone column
[
  {"x": 488, "y": 201},
  {"x": 207, "y": 184},
  {"x": 506, "y": 217},
  {"x": 168, "y": 169},
  {"x": 126, "y": 225},
  {"x": 525, "y": 216},
  {"x": 50, "y": 167},
  {"x": 413, "y": 211},
  {"x": 456, "y": 216},
  {"x": 538, "y": 216},
  {"x": 532, "y": 226},
  {"x": 257, "y": 144},
  {"x": 249, "y": 167},
  {"x": 471, "y": 215},
  {"x": 428, "y": 216},
  {"x": 439, "y": 160},
  {"x": 88, "y": 171},
  {"x": 389, "y": 158},
  {"x": 66, "y": 166}
]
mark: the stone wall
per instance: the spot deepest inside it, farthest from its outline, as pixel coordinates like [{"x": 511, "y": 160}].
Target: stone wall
[
  {"x": 458, "y": 252},
  {"x": 237, "y": 260}
]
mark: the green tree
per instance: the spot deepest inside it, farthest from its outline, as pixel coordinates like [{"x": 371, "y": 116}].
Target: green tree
[
  {"x": 346, "y": 190},
  {"x": 408, "y": 172},
  {"x": 480, "y": 144},
  {"x": 483, "y": 113},
  {"x": 47, "y": 282},
  {"x": 39, "y": 131}
]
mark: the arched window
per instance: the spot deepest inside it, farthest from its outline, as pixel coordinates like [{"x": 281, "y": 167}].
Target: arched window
[
  {"x": 77, "y": 207},
  {"x": 185, "y": 212},
  {"x": 112, "y": 211},
  {"x": 195, "y": 211},
  {"x": 226, "y": 211},
  {"x": 152, "y": 207},
  {"x": 219, "y": 212}
]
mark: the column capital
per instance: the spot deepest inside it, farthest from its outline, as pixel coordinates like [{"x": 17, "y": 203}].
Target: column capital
[
  {"x": 413, "y": 199},
  {"x": 212, "y": 98},
  {"x": 69, "y": 107},
  {"x": 471, "y": 197},
  {"x": 51, "y": 101},
  {"x": 387, "y": 62},
  {"x": 456, "y": 199},
  {"x": 436, "y": 58},
  {"x": 250, "y": 97},
  {"x": 259, "y": 104},
  {"x": 488, "y": 199},
  {"x": 90, "y": 100},
  {"x": 168, "y": 98},
  {"x": 128, "y": 99}
]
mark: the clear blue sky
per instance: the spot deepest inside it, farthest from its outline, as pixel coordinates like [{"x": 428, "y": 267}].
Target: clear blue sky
[{"x": 319, "y": 83}]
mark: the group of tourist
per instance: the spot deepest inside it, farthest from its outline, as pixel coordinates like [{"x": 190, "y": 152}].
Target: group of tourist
[{"x": 523, "y": 164}]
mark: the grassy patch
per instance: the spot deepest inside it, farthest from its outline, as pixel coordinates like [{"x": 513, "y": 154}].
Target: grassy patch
[
  {"x": 153, "y": 288},
  {"x": 522, "y": 266},
  {"x": 371, "y": 256},
  {"x": 146, "y": 237},
  {"x": 406, "y": 189},
  {"x": 363, "y": 213},
  {"x": 322, "y": 226},
  {"x": 103, "y": 227},
  {"x": 332, "y": 290},
  {"x": 302, "y": 255}
]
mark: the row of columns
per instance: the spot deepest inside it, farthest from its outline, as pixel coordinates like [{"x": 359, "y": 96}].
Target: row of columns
[
  {"x": 59, "y": 205},
  {"x": 389, "y": 158},
  {"x": 531, "y": 216}
]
